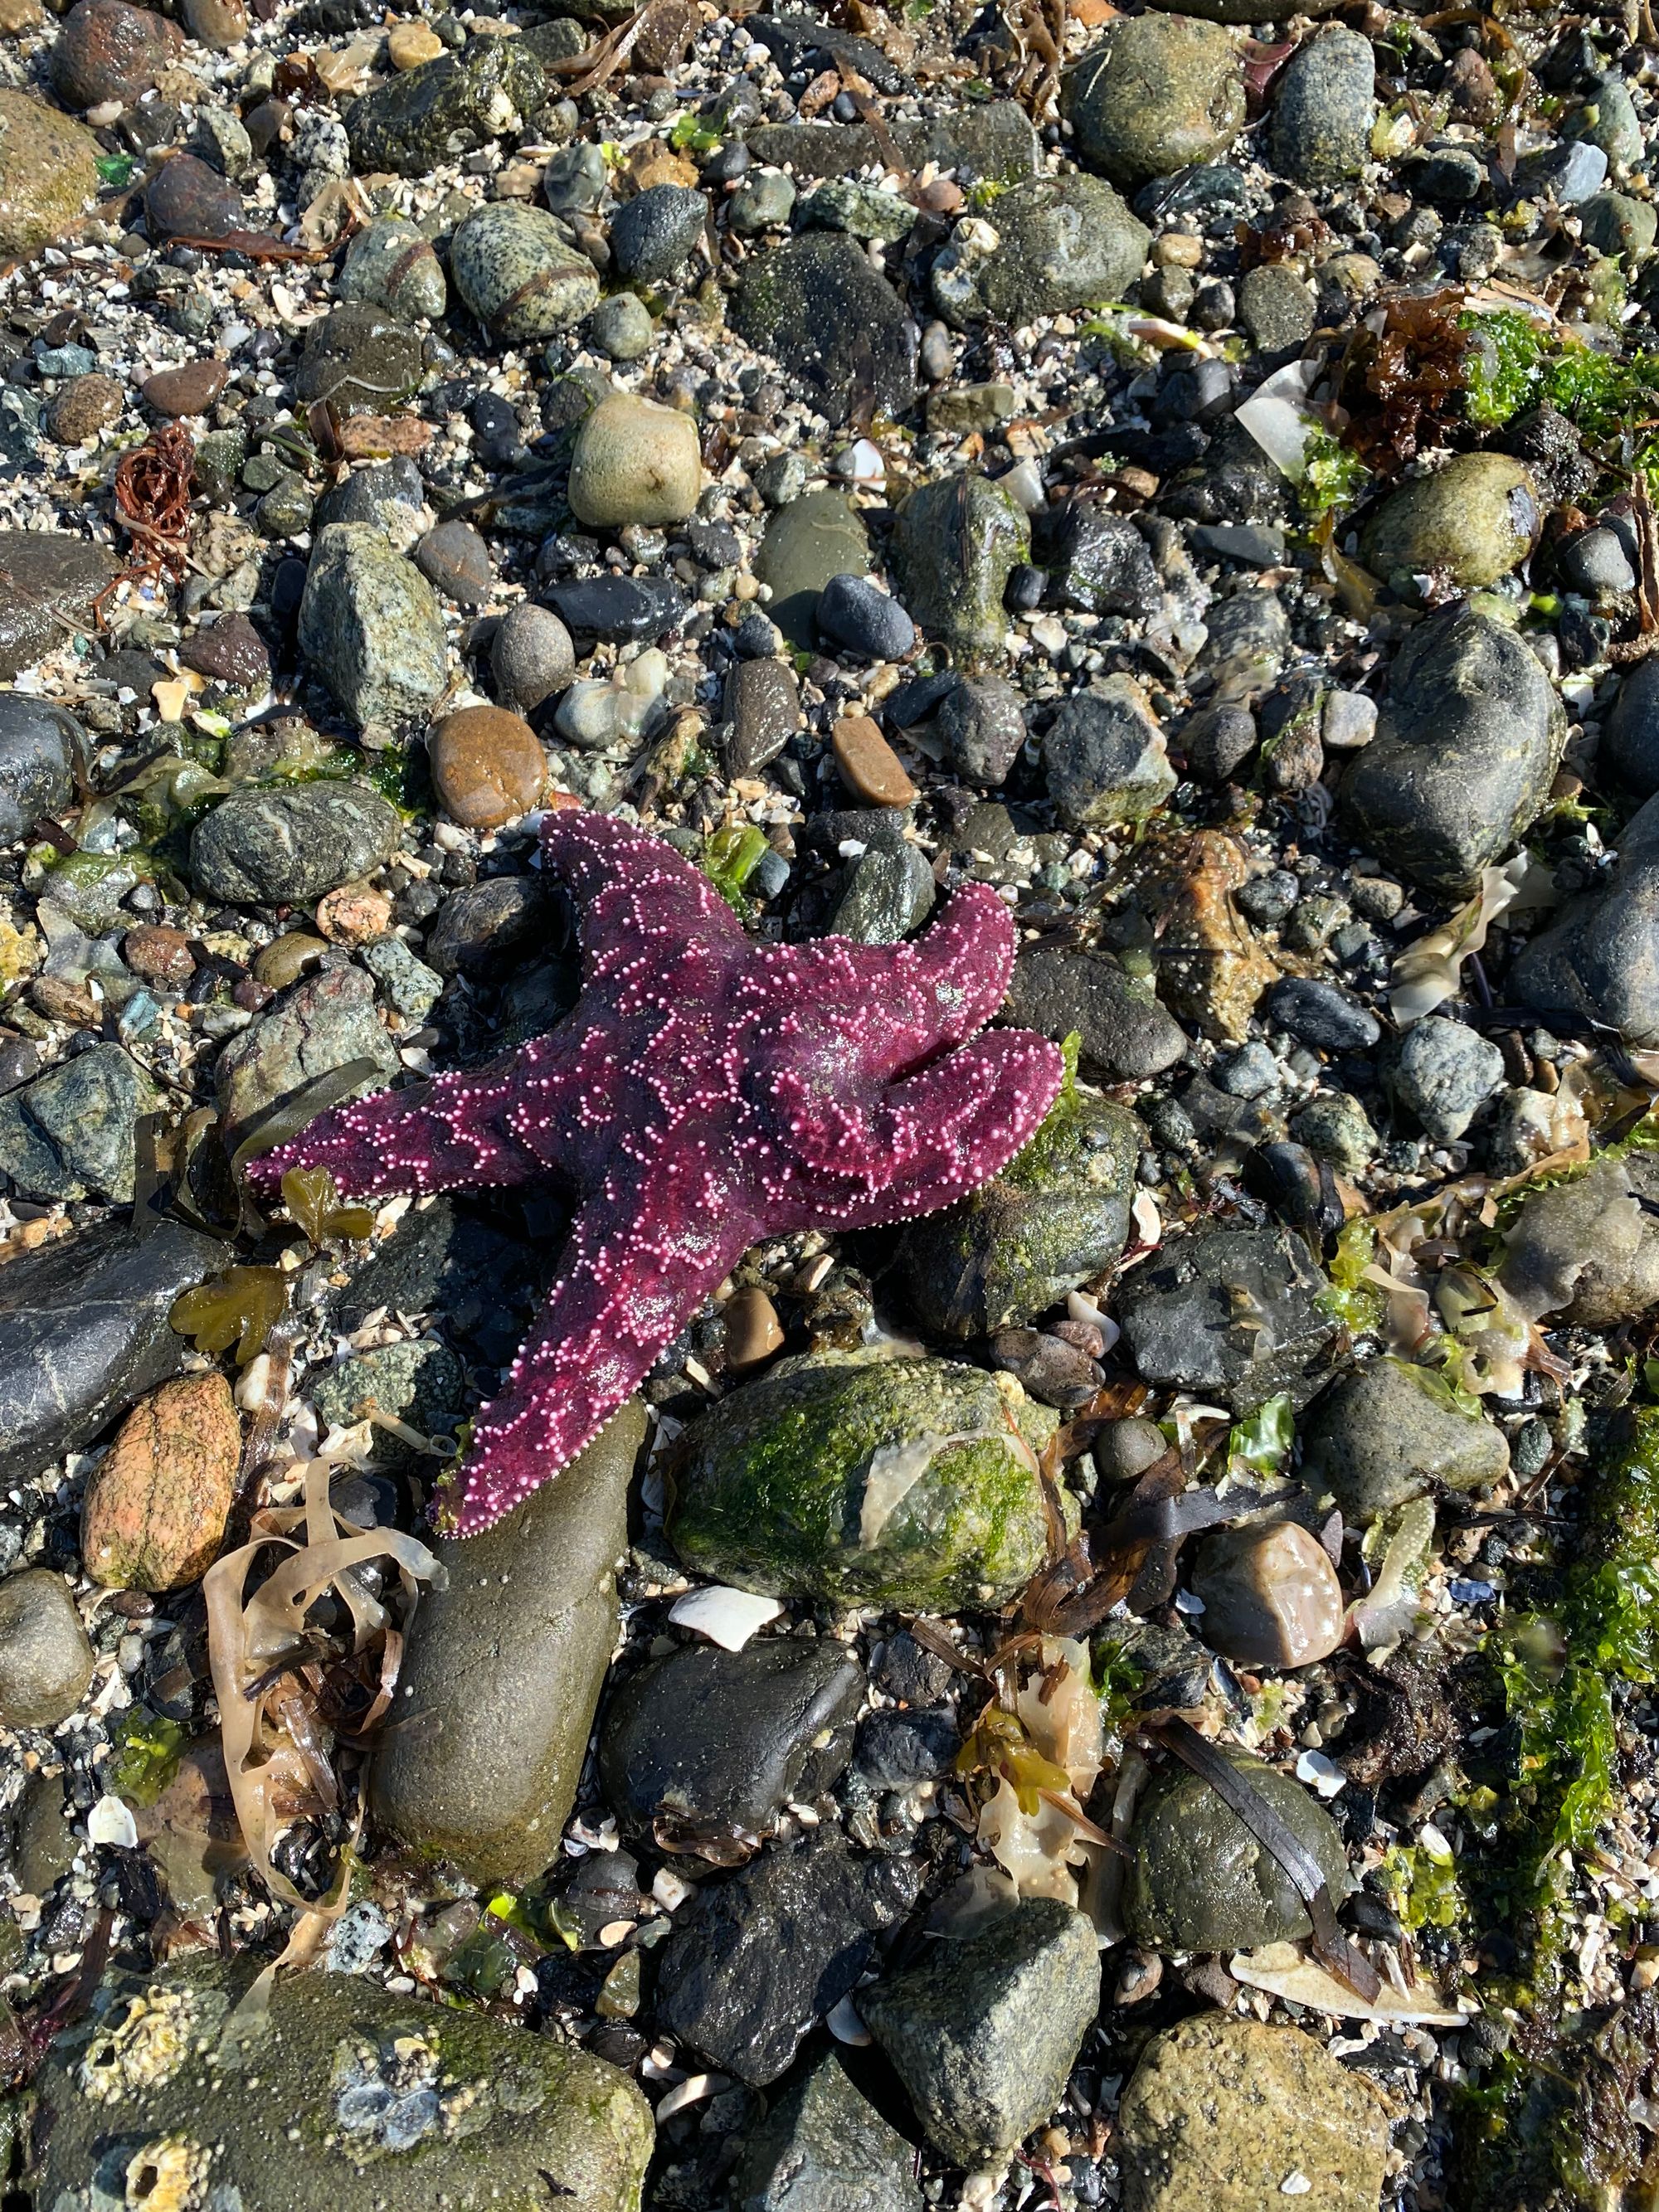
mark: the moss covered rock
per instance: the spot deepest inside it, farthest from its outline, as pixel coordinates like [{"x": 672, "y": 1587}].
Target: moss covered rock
[
  {"x": 1058, "y": 1215},
  {"x": 362, "y": 2100},
  {"x": 860, "y": 1480},
  {"x": 956, "y": 543}
]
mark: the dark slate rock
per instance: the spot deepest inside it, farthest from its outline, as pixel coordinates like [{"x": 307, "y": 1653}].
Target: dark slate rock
[
  {"x": 984, "y": 2030},
  {"x": 797, "y": 41},
  {"x": 326, "y": 1031},
  {"x": 819, "y": 308},
  {"x": 864, "y": 620},
  {"x": 414, "y": 121},
  {"x": 1228, "y": 1312},
  {"x": 1601, "y": 958},
  {"x": 1102, "y": 566},
  {"x": 1201, "y": 1882},
  {"x": 902, "y": 1750},
  {"x": 294, "y": 844},
  {"x": 360, "y": 359},
  {"x": 708, "y": 1745},
  {"x": 40, "y": 746},
  {"x": 445, "y": 1260},
  {"x": 824, "y": 2148},
  {"x": 1326, "y": 105},
  {"x": 762, "y": 705},
  {"x": 1320, "y": 1014},
  {"x": 1630, "y": 740},
  {"x": 1127, "y": 1035},
  {"x": 389, "y": 494},
  {"x": 1466, "y": 747},
  {"x": 980, "y": 725},
  {"x": 83, "y": 1333},
  {"x": 885, "y": 897},
  {"x": 657, "y": 230},
  {"x": 755, "y": 1961},
  {"x": 46, "y": 581},
  {"x": 72, "y": 1133},
  {"x": 625, "y": 608}
]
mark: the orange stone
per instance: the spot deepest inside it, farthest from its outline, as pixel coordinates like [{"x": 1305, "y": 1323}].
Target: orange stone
[
  {"x": 156, "y": 1506},
  {"x": 753, "y": 1332},
  {"x": 869, "y": 767},
  {"x": 353, "y": 914},
  {"x": 487, "y": 766}
]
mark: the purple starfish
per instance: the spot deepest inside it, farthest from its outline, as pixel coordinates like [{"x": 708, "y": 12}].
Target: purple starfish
[{"x": 705, "y": 1092}]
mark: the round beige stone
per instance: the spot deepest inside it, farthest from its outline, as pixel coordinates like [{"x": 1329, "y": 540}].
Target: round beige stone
[{"x": 635, "y": 462}]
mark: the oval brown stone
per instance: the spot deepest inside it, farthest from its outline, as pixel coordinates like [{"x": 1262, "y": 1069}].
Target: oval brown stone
[
  {"x": 190, "y": 389},
  {"x": 869, "y": 767},
  {"x": 155, "y": 1508},
  {"x": 486, "y": 766},
  {"x": 82, "y": 408},
  {"x": 159, "y": 954},
  {"x": 106, "y": 50},
  {"x": 187, "y": 199}
]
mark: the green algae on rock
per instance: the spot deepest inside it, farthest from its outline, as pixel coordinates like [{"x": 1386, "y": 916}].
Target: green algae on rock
[
  {"x": 48, "y": 173},
  {"x": 956, "y": 543},
  {"x": 860, "y": 1480},
  {"x": 363, "y": 2099}
]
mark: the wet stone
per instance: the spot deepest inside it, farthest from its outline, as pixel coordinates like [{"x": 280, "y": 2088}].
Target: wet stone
[
  {"x": 156, "y": 1507},
  {"x": 1155, "y": 94},
  {"x": 886, "y": 897},
  {"x": 390, "y": 264},
  {"x": 1229, "y": 1311},
  {"x": 106, "y": 50},
  {"x": 49, "y": 175},
  {"x": 188, "y": 199},
  {"x": 231, "y": 652},
  {"x": 1054, "y": 1219},
  {"x": 40, "y": 746},
  {"x": 656, "y": 231},
  {"x": 864, "y": 621},
  {"x": 1047, "y": 248},
  {"x": 45, "y": 576},
  {"x": 1388, "y": 1432},
  {"x": 84, "y": 1323},
  {"x": 372, "y": 627},
  {"x": 982, "y": 728},
  {"x": 531, "y": 657},
  {"x": 1599, "y": 957},
  {"x": 326, "y": 1026},
  {"x": 884, "y": 1482},
  {"x": 819, "y": 308},
  {"x": 1271, "y": 1595},
  {"x": 376, "y": 2088},
  {"x": 46, "y": 1661},
  {"x": 1471, "y": 521},
  {"x": 956, "y": 543},
  {"x": 1126, "y": 1035},
  {"x": 1104, "y": 758},
  {"x": 762, "y": 706},
  {"x": 824, "y": 2148},
  {"x": 868, "y": 765},
  {"x": 512, "y": 266},
  {"x": 419, "y": 119},
  {"x": 983, "y": 2031},
  {"x": 71, "y": 1132},
  {"x": 815, "y": 537},
  {"x": 1442, "y": 1073},
  {"x": 286, "y": 846},
  {"x": 759, "y": 1958},
  {"x": 487, "y": 766},
  {"x": 1200, "y": 1881},
  {"x": 1275, "y": 307},
  {"x": 360, "y": 360},
  {"x": 1221, "y": 2113},
  {"x": 1466, "y": 746},
  {"x": 635, "y": 462},
  {"x": 505, "y": 1665},
  {"x": 708, "y": 1744}
]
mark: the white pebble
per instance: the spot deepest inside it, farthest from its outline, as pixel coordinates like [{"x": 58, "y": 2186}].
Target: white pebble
[
  {"x": 110, "y": 1822},
  {"x": 727, "y": 1617}
]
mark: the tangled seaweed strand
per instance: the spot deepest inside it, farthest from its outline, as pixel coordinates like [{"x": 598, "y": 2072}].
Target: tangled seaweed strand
[{"x": 152, "y": 501}]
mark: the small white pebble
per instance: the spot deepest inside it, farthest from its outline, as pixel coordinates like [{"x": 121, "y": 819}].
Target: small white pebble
[
  {"x": 727, "y": 1617},
  {"x": 1296, "y": 2185},
  {"x": 671, "y": 1890},
  {"x": 691, "y": 2091}
]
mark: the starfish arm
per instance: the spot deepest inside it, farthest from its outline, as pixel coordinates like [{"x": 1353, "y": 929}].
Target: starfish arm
[
  {"x": 452, "y": 1134},
  {"x": 937, "y": 1135},
  {"x": 635, "y": 1270},
  {"x": 636, "y": 899},
  {"x": 965, "y": 961}
]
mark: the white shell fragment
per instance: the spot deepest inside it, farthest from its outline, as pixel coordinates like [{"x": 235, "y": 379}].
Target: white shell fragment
[{"x": 727, "y": 1617}]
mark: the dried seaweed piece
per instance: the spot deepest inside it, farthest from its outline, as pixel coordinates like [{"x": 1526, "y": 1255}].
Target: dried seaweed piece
[
  {"x": 1402, "y": 378},
  {"x": 152, "y": 488}
]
